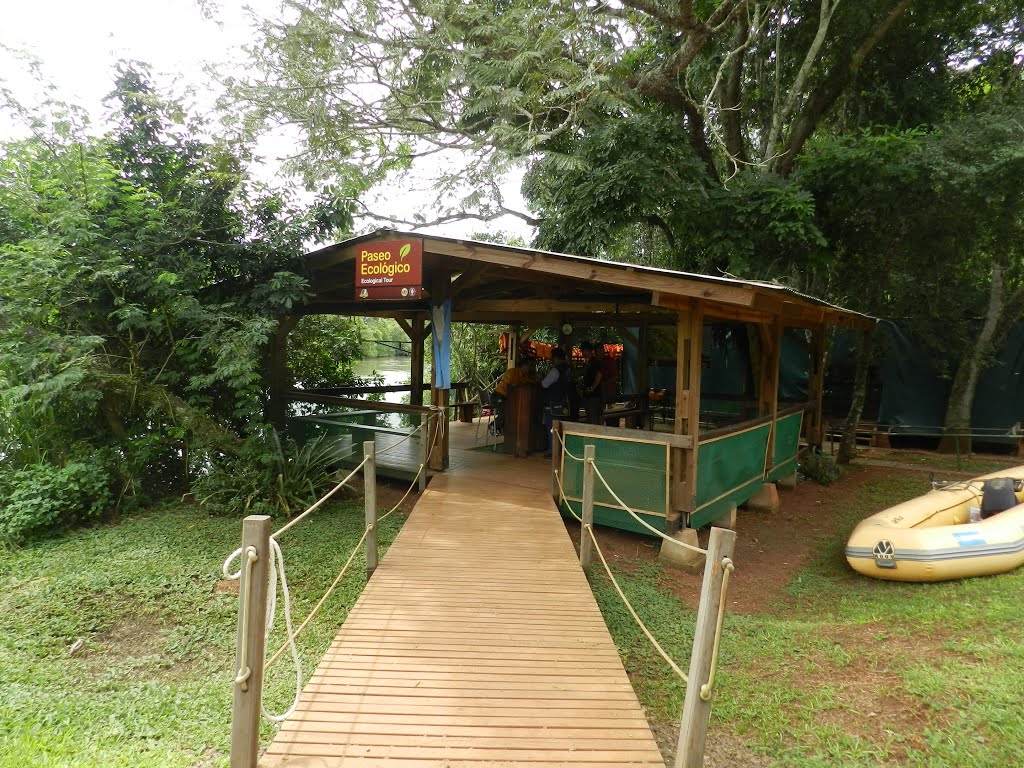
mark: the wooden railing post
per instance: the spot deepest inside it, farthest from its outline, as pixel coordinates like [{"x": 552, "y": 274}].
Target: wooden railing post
[
  {"x": 586, "y": 543},
  {"x": 370, "y": 504},
  {"x": 693, "y": 729},
  {"x": 424, "y": 445},
  {"x": 249, "y": 648},
  {"x": 556, "y": 459}
]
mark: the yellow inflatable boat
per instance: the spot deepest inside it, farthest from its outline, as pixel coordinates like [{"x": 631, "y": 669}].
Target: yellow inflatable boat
[{"x": 931, "y": 538}]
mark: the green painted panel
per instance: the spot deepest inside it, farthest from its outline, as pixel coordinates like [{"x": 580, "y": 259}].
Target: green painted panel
[
  {"x": 637, "y": 472},
  {"x": 787, "y": 445},
  {"x": 729, "y": 471}
]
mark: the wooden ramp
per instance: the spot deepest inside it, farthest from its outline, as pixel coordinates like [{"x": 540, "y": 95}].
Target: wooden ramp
[{"x": 477, "y": 642}]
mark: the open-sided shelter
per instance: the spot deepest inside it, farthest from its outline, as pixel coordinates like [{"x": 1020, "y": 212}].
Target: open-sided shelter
[{"x": 691, "y": 475}]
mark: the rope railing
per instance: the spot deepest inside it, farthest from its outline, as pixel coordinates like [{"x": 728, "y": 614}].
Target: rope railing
[
  {"x": 710, "y": 619},
  {"x": 323, "y": 599},
  {"x": 709, "y": 686},
  {"x": 320, "y": 502},
  {"x": 243, "y": 732},
  {"x": 644, "y": 523},
  {"x": 589, "y": 529},
  {"x": 561, "y": 439}
]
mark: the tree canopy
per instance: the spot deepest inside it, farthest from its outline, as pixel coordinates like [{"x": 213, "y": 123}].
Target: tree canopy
[{"x": 141, "y": 273}]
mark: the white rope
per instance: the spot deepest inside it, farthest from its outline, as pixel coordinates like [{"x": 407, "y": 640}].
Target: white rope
[
  {"x": 561, "y": 439},
  {"x": 434, "y": 409},
  {"x": 316, "y": 608},
  {"x": 657, "y": 646},
  {"x": 280, "y": 531},
  {"x": 276, "y": 568},
  {"x": 640, "y": 520},
  {"x": 244, "y": 670}
]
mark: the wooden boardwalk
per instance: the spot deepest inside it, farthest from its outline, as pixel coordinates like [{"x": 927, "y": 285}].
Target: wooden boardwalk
[{"x": 477, "y": 642}]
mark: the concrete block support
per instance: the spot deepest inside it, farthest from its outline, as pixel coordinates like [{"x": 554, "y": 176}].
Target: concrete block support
[
  {"x": 680, "y": 557},
  {"x": 765, "y": 500}
]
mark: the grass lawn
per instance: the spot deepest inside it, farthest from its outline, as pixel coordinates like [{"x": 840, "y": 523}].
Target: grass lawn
[
  {"x": 150, "y": 684},
  {"x": 848, "y": 671},
  {"x": 834, "y": 670}
]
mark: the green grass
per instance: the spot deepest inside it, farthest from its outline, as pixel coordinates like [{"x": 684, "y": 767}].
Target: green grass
[
  {"x": 151, "y": 683},
  {"x": 859, "y": 672}
]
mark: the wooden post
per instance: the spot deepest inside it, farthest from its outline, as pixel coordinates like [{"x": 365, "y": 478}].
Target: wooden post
[
  {"x": 774, "y": 363},
  {"x": 586, "y": 543},
  {"x": 424, "y": 445},
  {"x": 252, "y": 614},
  {"x": 370, "y": 504},
  {"x": 416, "y": 367},
  {"x": 678, "y": 503},
  {"x": 693, "y": 409},
  {"x": 814, "y": 427},
  {"x": 439, "y": 429},
  {"x": 556, "y": 459},
  {"x": 693, "y": 729}
]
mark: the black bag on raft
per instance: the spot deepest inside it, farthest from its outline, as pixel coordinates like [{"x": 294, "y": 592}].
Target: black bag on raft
[{"x": 997, "y": 496}]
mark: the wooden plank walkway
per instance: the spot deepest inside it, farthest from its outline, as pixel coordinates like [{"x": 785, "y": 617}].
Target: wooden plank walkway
[{"x": 477, "y": 642}]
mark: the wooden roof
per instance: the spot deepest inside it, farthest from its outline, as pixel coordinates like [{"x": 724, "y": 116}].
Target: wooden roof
[{"x": 507, "y": 284}]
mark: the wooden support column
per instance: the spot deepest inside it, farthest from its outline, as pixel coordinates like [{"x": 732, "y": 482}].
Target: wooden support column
[
  {"x": 440, "y": 289},
  {"x": 813, "y": 431},
  {"x": 643, "y": 362},
  {"x": 689, "y": 338},
  {"x": 416, "y": 337},
  {"x": 773, "y": 364},
  {"x": 277, "y": 373},
  {"x": 694, "y": 365}
]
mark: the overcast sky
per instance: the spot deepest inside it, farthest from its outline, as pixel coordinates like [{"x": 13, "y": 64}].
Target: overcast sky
[{"x": 80, "y": 41}]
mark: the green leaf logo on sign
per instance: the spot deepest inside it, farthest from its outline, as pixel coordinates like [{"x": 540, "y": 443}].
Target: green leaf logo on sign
[{"x": 404, "y": 251}]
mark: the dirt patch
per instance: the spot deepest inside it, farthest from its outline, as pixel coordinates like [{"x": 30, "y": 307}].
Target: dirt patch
[
  {"x": 769, "y": 548},
  {"x": 136, "y": 640},
  {"x": 859, "y": 669},
  {"x": 226, "y": 587},
  {"x": 723, "y": 748}
]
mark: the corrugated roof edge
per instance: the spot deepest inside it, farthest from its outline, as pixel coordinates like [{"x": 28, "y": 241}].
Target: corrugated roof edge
[{"x": 696, "y": 276}]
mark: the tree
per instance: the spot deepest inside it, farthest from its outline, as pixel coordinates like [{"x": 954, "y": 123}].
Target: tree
[
  {"x": 141, "y": 276},
  {"x": 679, "y": 125}
]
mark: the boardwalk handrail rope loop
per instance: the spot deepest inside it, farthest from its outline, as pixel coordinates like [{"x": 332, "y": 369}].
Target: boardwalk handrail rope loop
[
  {"x": 629, "y": 607},
  {"x": 244, "y": 670},
  {"x": 708, "y": 688},
  {"x": 277, "y": 570},
  {"x": 640, "y": 520},
  {"x": 323, "y": 599},
  {"x": 284, "y": 528}
]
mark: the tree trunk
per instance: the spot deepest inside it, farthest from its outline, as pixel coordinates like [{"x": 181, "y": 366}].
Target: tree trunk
[
  {"x": 957, "y": 423},
  {"x": 865, "y": 352}
]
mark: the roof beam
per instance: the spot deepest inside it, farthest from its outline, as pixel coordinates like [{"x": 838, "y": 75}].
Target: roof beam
[{"x": 596, "y": 272}]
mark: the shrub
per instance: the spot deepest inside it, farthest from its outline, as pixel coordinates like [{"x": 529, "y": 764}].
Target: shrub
[
  {"x": 268, "y": 476},
  {"x": 819, "y": 467},
  {"x": 42, "y": 495}
]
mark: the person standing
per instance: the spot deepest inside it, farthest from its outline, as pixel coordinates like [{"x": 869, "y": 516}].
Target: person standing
[
  {"x": 609, "y": 372},
  {"x": 555, "y": 387},
  {"x": 592, "y": 397}
]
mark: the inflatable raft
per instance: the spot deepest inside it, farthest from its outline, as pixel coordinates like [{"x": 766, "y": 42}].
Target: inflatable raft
[{"x": 931, "y": 538}]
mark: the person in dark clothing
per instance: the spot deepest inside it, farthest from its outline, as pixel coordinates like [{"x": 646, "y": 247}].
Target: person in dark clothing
[
  {"x": 592, "y": 399},
  {"x": 556, "y": 386}
]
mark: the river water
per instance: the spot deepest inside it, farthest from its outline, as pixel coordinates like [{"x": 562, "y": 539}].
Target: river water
[{"x": 394, "y": 371}]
